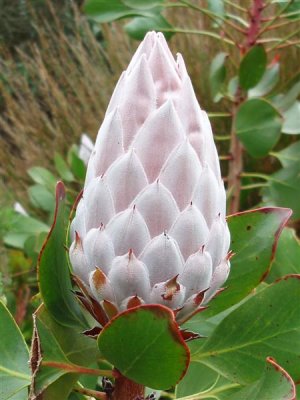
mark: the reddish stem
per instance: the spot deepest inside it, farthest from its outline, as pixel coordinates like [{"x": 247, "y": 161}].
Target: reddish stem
[
  {"x": 255, "y": 22},
  {"x": 125, "y": 389},
  {"x": 236, "y": 148}
]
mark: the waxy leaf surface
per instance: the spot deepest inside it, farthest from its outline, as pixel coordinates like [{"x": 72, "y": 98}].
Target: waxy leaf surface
[
  {"x": 252, "y": 67},
  {"x": 266, "y": 325},
  {"x": 145, "y": 345},
  {"x": 258, "y": 126},
  {"x": 53, "y": 271},
  {"x": 14, "y": 355}
]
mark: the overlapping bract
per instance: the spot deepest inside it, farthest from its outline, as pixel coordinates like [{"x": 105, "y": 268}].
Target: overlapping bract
[{"x": 150, "y": 227}]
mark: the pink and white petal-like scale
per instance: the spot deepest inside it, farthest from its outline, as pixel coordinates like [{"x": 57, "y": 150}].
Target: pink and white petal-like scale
[{"x": 150, "y": 227}]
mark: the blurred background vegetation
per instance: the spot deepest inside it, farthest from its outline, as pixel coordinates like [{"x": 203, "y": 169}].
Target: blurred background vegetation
[{"x": 59, "y": 62}]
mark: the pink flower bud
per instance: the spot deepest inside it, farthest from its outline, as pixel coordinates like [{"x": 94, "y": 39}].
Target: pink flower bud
[{"x": 151, "y": 225}]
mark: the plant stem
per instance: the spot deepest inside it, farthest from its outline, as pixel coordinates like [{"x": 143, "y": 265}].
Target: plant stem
[
  {"x": 77, "y": 369},
  {"x": 125, "y": 389},
  {"x": 235, "y": 169},
  {"x": 254, "y": 186},
  {"x": 199, "y": 32},
  {"x": 214, "y": 18},
  {"x": 218, "y": 114},
  {"x": 90, "y": 392},
  {"x": 237, "y": 6}
]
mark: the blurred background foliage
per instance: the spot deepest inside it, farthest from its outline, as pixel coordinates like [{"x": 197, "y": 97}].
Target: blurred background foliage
[{"x": 59, "y": 62}]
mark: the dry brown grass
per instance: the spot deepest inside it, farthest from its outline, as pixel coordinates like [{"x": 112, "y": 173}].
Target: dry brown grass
[{"x": 54, "y": 90}]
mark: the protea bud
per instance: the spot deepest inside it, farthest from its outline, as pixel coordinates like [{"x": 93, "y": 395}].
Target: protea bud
[{"x": 150, "y": 227}]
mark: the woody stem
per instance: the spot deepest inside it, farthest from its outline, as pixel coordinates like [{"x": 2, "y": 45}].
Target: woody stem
[{"x": 125, "y": 389}]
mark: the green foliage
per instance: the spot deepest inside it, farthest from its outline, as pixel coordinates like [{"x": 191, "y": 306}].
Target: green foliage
[
  {"x": 256, "y": 317},
  {"x": 54, "y": 343},
  {"x": 151, "y": 352},
  {"x": 14, "y": 369},
  {"x": 252, "y": 67},
  {"x": 217, "y": 75},
  {"x": 147, "y": 15},
  {"x": 258, "y": 126},
  {"x": 254, "y": 235},
  {"x": 53, "y": 271},
  {"x": 238, "y": 353},
  {"x": 287, "y": 257},
  {"x": 139, "y": 26}
]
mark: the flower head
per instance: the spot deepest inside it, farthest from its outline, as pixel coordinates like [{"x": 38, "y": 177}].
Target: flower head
[{"x": 150, "y": 227}]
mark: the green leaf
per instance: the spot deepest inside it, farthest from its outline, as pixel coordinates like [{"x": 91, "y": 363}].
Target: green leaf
[
  {"x": 42, "y": 176},
  {"x": 142, "y": 4},
  {"x": 293, "y": 8},
  {"x": 284, "y": 189},
  {"x": 21, "y": 227},
  {"x": 41, "y": 197},
  {"x": 284, "y": 101},
  {"x": 258, "y": 126},
  {"x": 275, "y": 384},
  {"x": 217, "y": 75},
  {"x": 54, "y": 343},
  {"x": 33, "y": 245},
  {"x": 233, "y": 85},
  {"x": 14, "y": 370},
  {"x": 252, "y": 67},
  {"x": 268, "y": 81},
  {"x": 62, "y": 168},
  {"x": 77, "y": 165},
  {"x": 291, "y": 123},
  {"x": 145, "y": 344},
  {"x": 53, "y": 271},
  {"x": 267, "y": 324},
  {"x": 200, "y": 379},
  {"x": 139, "y": 26},
  {"x": 290, "y": 155},
  {"x": 254, "y": 236},
  {"x": 107, "y": 11},
  {"x": 217, "y": 7},
  {"x": 287, "y": 258}
]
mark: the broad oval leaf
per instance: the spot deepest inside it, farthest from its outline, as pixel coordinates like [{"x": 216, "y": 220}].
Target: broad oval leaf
[
  {"x": 252, "y": 67},
  {"x": 268, "y": 81},
  {"x": 14, "y": 370},
  {"x": 267, "y": 324},
  {"x": 258, "y": 126},
  {"x": 53, "y": 271},
  {"x": 145, "y": 345},
  {"x": 106, "y": 11},
  {"x": 139, "y": 26},
  {"x": 217, "y": 75}
]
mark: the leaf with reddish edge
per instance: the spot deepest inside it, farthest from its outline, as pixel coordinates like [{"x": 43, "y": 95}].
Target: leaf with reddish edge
[
  {"x": 275, "y": 384},
  {"x": 53, "y": 271},
  {"x": 254, "y": 237},
  {"x": 145, "y": 345}
]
